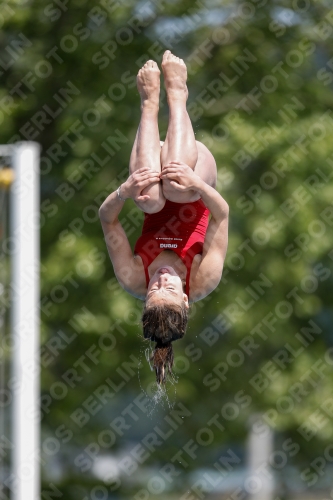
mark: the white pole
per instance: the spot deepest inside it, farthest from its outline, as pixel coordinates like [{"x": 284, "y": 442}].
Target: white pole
[
  {"x": 260, "y": 480},
  {"x": 25, "y": 320}
]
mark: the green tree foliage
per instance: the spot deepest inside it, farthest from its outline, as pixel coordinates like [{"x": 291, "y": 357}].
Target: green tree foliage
[{"x": 260, "y": 82}]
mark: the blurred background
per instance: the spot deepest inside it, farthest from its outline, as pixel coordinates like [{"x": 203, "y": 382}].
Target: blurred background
[{"x": 249, "y": 411}]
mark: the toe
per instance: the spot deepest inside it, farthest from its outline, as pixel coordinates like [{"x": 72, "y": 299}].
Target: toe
[{"x": 166, "y": 55}]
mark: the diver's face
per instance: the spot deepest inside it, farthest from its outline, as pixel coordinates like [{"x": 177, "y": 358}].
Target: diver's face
[{"x": 165, "y": 287}]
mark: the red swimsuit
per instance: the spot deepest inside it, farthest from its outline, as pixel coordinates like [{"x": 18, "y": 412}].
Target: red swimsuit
[{"x": 180, "y": 227}]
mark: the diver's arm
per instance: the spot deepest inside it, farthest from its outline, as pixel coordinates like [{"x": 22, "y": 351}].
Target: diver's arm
[
  {"x": 117, "y": 243},
  {"x": 208, "y": 274},
  {"x": 111, "y": 208},
  {"x": 124, "y": 263},
  {"x": 217, "y": 205}
]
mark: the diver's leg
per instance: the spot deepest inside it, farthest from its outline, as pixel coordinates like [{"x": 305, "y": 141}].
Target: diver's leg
[
  {"x": 180, "y": 143},
  {"x": 146, "y": 149},
  {"x": 180, "y": 140}
]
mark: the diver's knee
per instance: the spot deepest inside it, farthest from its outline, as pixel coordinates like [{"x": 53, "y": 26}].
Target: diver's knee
[
  {"x": 151, "y": 206},
  {"x": 168, "y": 191},
  {"x": 172, "y": 194}
]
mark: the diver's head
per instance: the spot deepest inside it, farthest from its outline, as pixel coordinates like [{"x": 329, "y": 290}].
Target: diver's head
[
  {"x": 165, "y": 317},
  {"x": 165, "y": 287}
]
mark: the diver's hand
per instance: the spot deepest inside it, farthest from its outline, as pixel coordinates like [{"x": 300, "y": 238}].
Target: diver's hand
[
  {"x": 181, "y": 176},
  {"x": 140, "y": 179}
]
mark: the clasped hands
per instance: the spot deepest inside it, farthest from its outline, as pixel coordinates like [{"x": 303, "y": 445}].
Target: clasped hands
[{"x": 180, "y": 175}]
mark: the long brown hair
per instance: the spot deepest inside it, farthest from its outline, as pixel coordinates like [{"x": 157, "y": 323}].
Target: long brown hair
[{"x": 164, "y": 324}]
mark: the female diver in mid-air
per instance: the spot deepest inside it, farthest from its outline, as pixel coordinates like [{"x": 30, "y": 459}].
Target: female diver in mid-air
[{"x": 179, "y": 257}]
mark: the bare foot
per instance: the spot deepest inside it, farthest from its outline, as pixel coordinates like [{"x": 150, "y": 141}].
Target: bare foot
[
  {"x": 175, "y": 76},
  {"x": 148, "y": 83}
]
